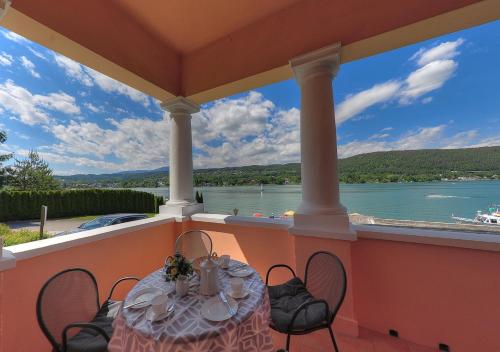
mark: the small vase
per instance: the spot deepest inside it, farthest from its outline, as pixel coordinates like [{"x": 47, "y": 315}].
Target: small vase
[{"x": 181, "y": 285}]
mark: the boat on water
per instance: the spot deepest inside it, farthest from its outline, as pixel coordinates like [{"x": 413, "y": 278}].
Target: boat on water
[{"x": 492, "y": 217}]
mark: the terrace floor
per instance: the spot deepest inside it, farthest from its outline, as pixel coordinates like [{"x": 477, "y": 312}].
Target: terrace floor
[{"x": 368, "y": 341}]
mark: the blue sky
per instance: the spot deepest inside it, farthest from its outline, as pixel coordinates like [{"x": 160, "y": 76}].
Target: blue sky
[{"x": 441, "y": 93}]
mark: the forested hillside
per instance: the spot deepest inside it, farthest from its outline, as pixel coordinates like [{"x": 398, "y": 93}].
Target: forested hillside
[
  {"x": 392, "y": 166},
  {"x": 421, "y": 165}
]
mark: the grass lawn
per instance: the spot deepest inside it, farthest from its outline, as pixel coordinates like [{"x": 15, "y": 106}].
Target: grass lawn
[{"x": 11, "y": 237}]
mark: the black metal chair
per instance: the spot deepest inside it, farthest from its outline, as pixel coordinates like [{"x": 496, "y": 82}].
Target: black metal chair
[
  {"x": 298, "y": 308},
  {"x": 194, "y": 244},
  {"x": 70, "y": 315}
]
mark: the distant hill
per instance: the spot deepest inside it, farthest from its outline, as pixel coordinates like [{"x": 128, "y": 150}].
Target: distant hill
[{"x": 391, "y": 166}]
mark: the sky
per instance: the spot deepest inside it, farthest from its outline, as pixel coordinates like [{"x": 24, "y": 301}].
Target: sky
[{"x": 441, "y": 93}]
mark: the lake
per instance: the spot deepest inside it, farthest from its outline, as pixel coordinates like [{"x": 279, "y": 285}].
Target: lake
[{"x": 433, "y": 201}]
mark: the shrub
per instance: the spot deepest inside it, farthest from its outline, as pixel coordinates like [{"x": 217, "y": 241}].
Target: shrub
[{"x": 25, "y": 205}]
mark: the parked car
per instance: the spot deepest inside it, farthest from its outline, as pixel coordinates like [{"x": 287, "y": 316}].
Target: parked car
[{"x": 105, "y": 220}]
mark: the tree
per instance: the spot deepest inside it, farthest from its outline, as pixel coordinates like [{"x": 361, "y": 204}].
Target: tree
[
  {"x": 3, "y": 157},
  {"x": 32, "y": 174}
]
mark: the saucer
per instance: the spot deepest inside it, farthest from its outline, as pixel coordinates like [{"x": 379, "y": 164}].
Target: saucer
[
  {"x": 150, "y": 315},
  {"x": 243, "y": 272},
  {"x": 242, "y": 294},
  {"x": 214, "y": 310}
]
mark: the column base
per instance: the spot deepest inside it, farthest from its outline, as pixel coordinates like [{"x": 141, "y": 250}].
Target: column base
[
  {"x": 335, "y": 226},
  {"x": 182, "y": 209}
]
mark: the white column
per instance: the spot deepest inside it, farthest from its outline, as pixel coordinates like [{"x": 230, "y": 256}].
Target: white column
[
  {"x": 181, "y": 201},
  {"x": 320, "y": 212}
]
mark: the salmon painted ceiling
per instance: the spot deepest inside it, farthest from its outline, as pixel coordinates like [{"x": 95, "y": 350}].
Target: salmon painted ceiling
[{"x": 190, "y": 46}]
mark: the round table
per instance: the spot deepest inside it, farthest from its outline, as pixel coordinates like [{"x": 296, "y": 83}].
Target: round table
[{"x": 186, "y": 330}]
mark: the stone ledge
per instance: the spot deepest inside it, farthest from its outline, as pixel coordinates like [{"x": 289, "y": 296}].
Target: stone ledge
[
  {"x": 7, "y": 260},
  {"x": 469, "y": 240},
  {"x": 242, "y": 220}
]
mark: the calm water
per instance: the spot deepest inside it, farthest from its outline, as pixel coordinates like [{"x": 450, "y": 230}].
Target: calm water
[{"x": 434, "y": 201}]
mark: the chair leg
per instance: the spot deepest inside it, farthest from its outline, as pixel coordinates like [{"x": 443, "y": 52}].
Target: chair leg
[
  {"x": 333, "y": 339},
  {"x": 288, "y": 342}
]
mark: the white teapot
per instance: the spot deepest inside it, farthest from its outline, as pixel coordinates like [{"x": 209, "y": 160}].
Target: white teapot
[{"x": 209, "y": 276}]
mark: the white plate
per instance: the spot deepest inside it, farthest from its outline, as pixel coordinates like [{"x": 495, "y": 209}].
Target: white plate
[
  {"x": 215, "y": 310},
  {"x": 242, "y": 294},
  {"x": 243, "y": 272},
  {"x": 145, "y": 294}
]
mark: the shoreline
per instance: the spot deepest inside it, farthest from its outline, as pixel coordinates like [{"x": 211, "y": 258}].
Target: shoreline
[
  {"x": 298, "y": 184},
  {"x": 361, "y": 219}
]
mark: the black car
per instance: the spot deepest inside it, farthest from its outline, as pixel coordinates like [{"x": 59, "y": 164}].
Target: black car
[{"x": 106, "y": 220}]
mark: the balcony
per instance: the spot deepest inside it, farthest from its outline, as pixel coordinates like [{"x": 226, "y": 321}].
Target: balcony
[{"x": 431, "y": 286}]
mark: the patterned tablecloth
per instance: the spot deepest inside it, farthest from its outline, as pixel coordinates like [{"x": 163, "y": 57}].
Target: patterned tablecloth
[{"x": 186, "y": 330}]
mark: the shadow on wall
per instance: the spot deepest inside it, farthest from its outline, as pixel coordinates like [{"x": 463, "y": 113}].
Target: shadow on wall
[{"x": 257, "y": 246}]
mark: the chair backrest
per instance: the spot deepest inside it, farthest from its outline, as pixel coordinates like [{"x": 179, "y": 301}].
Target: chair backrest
[
  {"x": 325, "y": 278},
  {"x": 68, "y": 297},
  {"x": 194, "y": 244}
]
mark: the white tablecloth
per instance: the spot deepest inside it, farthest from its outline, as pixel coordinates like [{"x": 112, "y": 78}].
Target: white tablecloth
[{"x": 186, "y": 330}]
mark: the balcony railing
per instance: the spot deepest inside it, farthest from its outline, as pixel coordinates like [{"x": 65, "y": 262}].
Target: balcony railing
[{"x": 431, "y": 286}]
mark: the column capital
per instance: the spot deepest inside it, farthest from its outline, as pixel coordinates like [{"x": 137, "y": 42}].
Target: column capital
[
  {"x": 180, "y": 105},
  {"x": 322, "y": 61}
]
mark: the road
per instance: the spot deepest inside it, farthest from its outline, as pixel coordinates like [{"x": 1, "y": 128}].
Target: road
[{"x": 51, "y": 226}]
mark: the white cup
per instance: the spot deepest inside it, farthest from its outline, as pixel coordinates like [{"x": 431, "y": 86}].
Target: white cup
[
  {"x": 182, "y": 286},
  {"x": 237, "y": 285},
  {"x": 224, "y": 260},
  {"x": 159, "y": 304}
]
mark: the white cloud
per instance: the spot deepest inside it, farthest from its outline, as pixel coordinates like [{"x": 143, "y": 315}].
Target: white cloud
[
  {"x": 437, "y": 67},
  {"x": 110, "y": 85},
  {"x": 387, "y": 129},
  {"x": 82, "y": 162},
  {"x": 136, "y": 143},
  {"x": 37, "y": 53},
  {"x": 261, "y": 135},
  {"x": 379, "y": 136},
  {"x": 29, "y": 66},
  {"x": 31, "y": 108},
  {"x": 423, "y": 138},
  {"x": 74, "y": 70},
  {"x": 428, "y": 137},
  {"x": 58, "y": 101},
  {"x": 360, "y": 147},
  {"x": 357, "y": 103},
  {"x": 89, "y": 77},
  {"x": 15, "y": 37},
  {"x": 20, "y": 102},
  {"x": 234, "y": 119},
  {"x": 6, "y": 59},
  {"x": 427, "y": 79},
  {"x": 92, "y": 107},
  {"x": 463, "y": 139},
  {"x": 443, "y": 51},
  {"x": 22, "y": 136}
]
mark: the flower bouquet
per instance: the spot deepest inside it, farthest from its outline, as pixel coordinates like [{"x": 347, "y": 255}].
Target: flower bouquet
[{"x": 177, "y": 267}]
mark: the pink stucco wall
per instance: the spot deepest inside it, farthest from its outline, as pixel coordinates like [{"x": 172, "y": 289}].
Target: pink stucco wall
[
  {"x": 136, "y": 253},
  {"x": 429, "y": 293}
]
